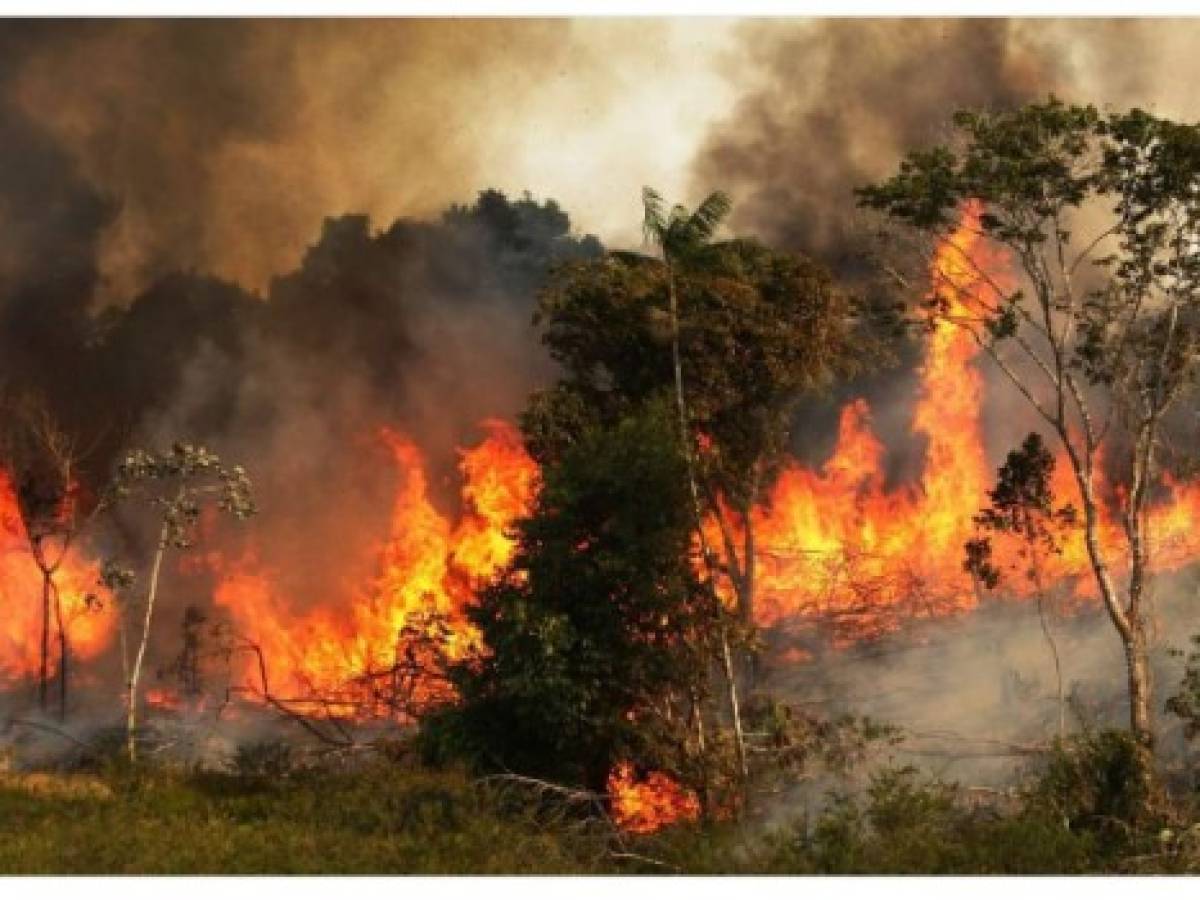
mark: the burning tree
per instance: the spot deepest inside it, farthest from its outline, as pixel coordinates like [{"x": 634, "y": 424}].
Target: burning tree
[
  {"x": 178, "y": 484},
  {"x": 42, "y": 460},
  {"x": 1101, "y": 213},
  {"x": 732, "y": 332}
]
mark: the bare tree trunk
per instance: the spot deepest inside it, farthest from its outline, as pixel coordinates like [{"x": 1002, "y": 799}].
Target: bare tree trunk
[
  {"x": 123, "y": 632},
  {"x": 685, "y": 436},
  {"x": 731, "y": 680},
  {"x": 697, "y": 714},
  {"x": 1141, "y": 719},
  {"x": 136, "y": 672},
  {"x": 1041, "y": 604},
  {"x": 685, "y": 432},
  {"x": 1140, "y": 689},
  {"x": 1127, "y": 620},
  {"x": 44, "y": 672},
  {"x": 748, "y": 569},
  {"x": 1058, "y": 678},
  {"x": 63, "y": 651}
]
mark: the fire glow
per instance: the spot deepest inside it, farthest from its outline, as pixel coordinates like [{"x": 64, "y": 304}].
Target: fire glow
[
  {"x": 90, "y": 625},
  {"x": 428, "y": 569},
  {"x": 838, "y": 546}
]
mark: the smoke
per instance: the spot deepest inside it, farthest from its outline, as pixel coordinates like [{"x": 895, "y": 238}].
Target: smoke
[
  {"x": 976, "y": 693},
  {"x": 830, "y": 105},
  {"x": 224, "y": 144},
  {"x": 262, "y": 128}
]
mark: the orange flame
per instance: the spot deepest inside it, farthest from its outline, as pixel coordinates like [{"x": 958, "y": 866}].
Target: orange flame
[
  {"x": 89, "y": 627},
  {"x": 838, "y": 546},
  {"x": 644, "y": 805},
  {"x": 428, "y": 568}
]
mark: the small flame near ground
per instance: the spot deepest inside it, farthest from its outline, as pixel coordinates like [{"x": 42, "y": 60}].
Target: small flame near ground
[{"x": 641, "y": 805}]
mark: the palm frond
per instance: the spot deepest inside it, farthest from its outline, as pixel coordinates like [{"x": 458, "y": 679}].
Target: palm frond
[
  {"x": 654, "y": 221},
  {"x": 702, "y": 224}
]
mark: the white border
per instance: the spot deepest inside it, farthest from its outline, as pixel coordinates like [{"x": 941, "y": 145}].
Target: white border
[{"x": 606, "y": 8}]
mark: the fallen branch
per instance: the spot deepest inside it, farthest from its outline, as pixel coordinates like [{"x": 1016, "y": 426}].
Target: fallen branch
[{"x": 42, "y": 726}]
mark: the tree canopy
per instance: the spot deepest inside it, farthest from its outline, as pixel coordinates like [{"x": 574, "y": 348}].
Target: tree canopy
[
  {"x": 594, "y": 634},
  {"x": 1095, "y": 219}
]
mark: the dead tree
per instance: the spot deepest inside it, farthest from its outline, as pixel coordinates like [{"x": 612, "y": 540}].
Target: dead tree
[{"x": 43, "y": 461}]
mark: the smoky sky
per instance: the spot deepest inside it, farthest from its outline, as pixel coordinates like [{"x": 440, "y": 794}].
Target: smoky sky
[
  {"x": 827, "y": 106},
  {"x": 241, "y": 232},
  {"x": 202, "y": 218},
  {"x": 224, "y": 143}
]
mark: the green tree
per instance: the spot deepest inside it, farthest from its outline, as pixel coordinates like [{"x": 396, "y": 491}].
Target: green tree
[
  {"x": 734, "y": 333},
  {"x": 1022, "y": 506},
  {"x": 176, "y": 484},
  {"x": 1100, "y": 216},
  {"x": 749, "y": 331},
  {"x": 596, "y": 635}
]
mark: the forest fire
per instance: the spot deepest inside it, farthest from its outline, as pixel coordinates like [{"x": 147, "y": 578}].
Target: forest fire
[
  {"x": 836, "y": 545},
  {"x": 842, "y": 548},
  {"x": 367, "y": 651}
]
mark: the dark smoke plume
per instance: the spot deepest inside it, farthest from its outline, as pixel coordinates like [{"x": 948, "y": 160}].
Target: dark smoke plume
[{"x": 225, "y": 143}]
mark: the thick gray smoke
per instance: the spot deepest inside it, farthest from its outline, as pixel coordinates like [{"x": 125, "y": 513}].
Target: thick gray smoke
[{"x": 826, "y": 106}]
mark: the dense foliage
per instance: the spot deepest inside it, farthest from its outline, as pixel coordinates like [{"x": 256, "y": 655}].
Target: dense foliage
[{"x": 597, "y": 628}]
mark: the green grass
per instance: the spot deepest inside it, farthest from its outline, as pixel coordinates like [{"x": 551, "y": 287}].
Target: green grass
[
  {"x": 385, "y": 820},
  {"x": 397, "y": 819}
]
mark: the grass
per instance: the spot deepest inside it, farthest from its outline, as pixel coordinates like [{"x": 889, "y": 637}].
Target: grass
[
  {"x": 380, "y": 821},
  {"x": 392, "y": 818}
]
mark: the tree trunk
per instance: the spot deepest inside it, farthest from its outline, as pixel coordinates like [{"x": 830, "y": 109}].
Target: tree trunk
[
  {"x": 1058, "y": 679},
  {"x": 1039, "y": 586},
  {"x": 685, "y": 436},
  {"x": 44, "y": 671},
  {"x": 1141, "y": 717},
  {"x": 1127, "y": 620},
  {"x": 1137, "y": 658},
  {"x": 730, "y": 679},
  {"x": 746, "y": 598},
  {"x": 136, "y": 672},
  {"x": 685, "y": 431},
  {"x": 697, "y": 715},
  {"x": 63, "y": 651}
]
